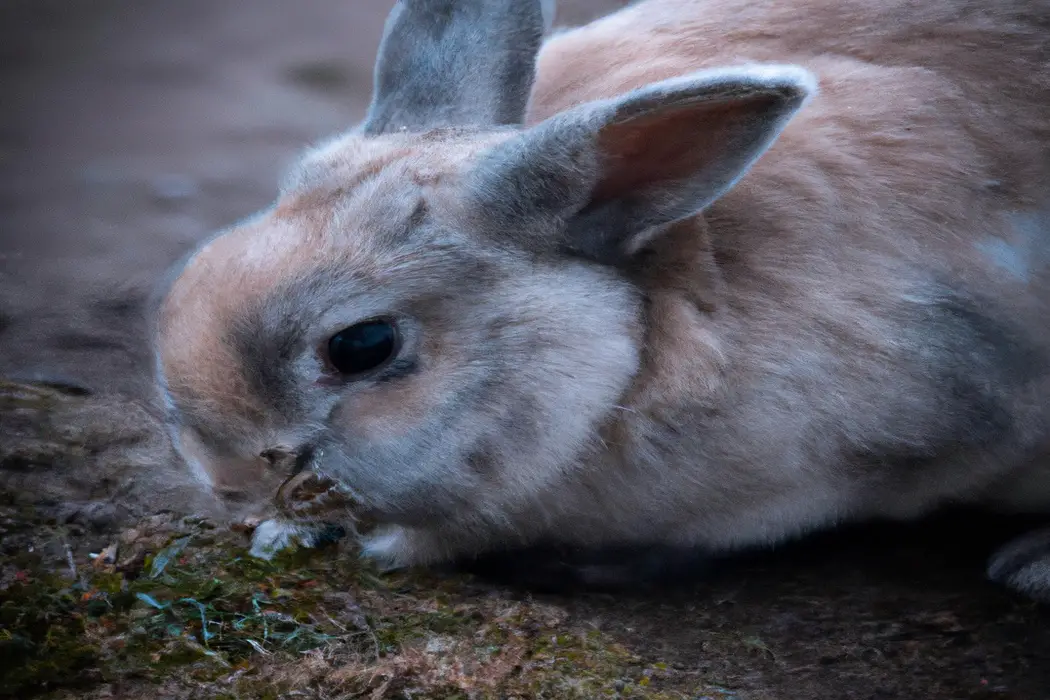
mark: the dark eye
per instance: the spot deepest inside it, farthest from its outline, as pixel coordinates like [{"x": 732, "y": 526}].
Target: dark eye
[{"x": 362, "y": 347}]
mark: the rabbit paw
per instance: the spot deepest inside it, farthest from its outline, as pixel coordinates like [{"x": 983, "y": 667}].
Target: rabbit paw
[
  {"x": 276, "y": 535},
  {"x": 396, "y": 547},
  {"x": 1024, "y": 565}
]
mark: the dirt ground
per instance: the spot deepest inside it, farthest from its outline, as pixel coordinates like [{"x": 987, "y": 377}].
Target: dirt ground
[{"x": 130, "y": 130}]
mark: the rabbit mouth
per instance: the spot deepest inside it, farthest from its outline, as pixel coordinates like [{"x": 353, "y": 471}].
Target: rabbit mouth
[{"x": 308, "y": 494}]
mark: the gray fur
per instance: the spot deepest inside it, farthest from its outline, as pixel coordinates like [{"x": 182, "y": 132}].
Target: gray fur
[
  {"x": 977, "y": 363},
  {"x": 455, "y": 62},
  {"x": 1024, "y": 565}
]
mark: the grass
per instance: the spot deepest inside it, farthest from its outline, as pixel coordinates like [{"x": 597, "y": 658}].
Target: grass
[{"x": 195, "y": 616}]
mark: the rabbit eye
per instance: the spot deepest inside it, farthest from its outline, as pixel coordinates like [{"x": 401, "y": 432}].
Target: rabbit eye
[{"x": 363, "y": 347}]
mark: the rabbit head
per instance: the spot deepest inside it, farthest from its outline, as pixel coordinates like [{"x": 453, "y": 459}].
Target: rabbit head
[{"x": 438, "y": 310}]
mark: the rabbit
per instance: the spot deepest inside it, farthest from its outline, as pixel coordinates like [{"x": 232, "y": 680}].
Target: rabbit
[{"x": 700, "y": 275}]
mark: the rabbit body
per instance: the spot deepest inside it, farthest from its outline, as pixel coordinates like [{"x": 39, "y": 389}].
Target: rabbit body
[{"x": 727, "y": 272}]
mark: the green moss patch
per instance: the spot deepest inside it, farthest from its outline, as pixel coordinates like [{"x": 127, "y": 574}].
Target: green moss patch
[{"x": 195, "y": 616}]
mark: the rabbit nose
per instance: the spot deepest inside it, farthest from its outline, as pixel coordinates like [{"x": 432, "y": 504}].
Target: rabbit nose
[
  {"x": 287, "y": 459},
  {"x": 276, "y": 455}
]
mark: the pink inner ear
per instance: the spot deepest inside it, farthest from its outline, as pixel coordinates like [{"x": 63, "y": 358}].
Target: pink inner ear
[{"x": 677, "y": 143}]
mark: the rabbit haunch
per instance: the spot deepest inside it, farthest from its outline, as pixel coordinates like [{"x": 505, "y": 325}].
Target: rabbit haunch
[{"x": 671, "y": 293}]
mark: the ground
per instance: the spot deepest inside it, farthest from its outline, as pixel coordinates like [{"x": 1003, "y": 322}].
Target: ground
[{"x": 132, "y": 129}]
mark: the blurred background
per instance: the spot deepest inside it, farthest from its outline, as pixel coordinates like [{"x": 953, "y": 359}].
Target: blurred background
[{"x": 131, "y": 129}]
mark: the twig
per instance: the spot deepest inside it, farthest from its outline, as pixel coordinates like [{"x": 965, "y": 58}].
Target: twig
[{"x": 73, "y": 571}]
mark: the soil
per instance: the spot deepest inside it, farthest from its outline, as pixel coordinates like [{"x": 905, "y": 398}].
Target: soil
[{"x": 130, "y": 130}]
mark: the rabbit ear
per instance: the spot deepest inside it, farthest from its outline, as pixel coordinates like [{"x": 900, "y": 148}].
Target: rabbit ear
[
  {"x": 610, "y": 175},
  {"x": 455, "y": 63}
]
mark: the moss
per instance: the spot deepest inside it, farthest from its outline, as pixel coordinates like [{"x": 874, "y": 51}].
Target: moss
[
  {"x": 198, "y": 612},
  {"x": 43, "y": 640}
]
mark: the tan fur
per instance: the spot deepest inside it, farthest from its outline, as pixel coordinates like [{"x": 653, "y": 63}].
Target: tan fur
[
  {"x": 776, "y": 332},
  {"x": 918, "y": 104}
]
